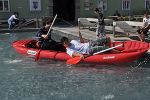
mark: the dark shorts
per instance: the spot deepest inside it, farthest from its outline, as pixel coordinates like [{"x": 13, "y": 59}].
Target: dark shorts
[{"x": 143, "y": 30}]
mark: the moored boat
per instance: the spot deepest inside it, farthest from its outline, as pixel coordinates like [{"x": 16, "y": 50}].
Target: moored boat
[{"x": 130, "y": 51}]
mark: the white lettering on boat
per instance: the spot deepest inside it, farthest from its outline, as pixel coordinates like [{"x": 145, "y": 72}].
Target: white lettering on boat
[
  {"x": 31, "y": 52},
  {"x": 109, "y": 57}
]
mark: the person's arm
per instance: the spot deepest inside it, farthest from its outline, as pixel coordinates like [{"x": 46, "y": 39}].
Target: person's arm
[
  {"x": 75, "y": 54},
  {"x": 148, "y": 26},
  {"x": 40, "y": 34},
  {"x": 15, "y": 17},
  {"x": 80, "y": 37},
  {"x": 143, "y": 23}
]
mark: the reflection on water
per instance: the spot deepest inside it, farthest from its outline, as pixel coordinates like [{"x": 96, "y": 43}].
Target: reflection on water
[{"x": 24, "y": 79}]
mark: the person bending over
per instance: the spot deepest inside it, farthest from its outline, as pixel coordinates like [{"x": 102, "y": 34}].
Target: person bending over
[
  {"x": 13, "y": 20},
  {"x": 45, "y": 41},
  {"x": 79, "y": 47}
]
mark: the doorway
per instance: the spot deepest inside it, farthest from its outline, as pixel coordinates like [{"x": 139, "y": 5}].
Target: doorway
[{"x": 65, "y": 9}]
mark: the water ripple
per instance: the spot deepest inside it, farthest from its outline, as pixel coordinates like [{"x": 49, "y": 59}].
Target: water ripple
[
  {"x": 13, "y": 61},
  {"x": 107, "y": 97}
]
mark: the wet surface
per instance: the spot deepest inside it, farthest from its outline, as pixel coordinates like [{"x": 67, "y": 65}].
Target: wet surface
[{"x": 24, "y": 79}]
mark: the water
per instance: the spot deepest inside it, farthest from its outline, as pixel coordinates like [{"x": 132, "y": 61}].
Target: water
[{"x": 21, "y": 78}]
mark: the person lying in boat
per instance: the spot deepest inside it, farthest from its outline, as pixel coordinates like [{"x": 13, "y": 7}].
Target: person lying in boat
[
  {"x": 145, "y": 28},
  {"x": 45, "y": 41},
  {"x": 79, "y": 47}
]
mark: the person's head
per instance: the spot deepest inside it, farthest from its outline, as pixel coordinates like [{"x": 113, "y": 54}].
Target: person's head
[
  {"x": 65, "y": 41},
  {"x": 48, "y": 23},
  {"x": 16, "y": 14},
  {"x": 97, "y": 10}
]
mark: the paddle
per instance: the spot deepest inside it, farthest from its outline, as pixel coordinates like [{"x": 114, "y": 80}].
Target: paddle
[
  {"x": 51, "y": 25},
  {"x": 37, "y": 56},
  {"x": 76, "y": 60}
]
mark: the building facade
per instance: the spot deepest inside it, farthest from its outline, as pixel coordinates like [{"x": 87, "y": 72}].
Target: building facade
[
  {"x": 25, "y": 8},
  {"x": 124, "y": 7},
  {"x": 71, "y": 9}
]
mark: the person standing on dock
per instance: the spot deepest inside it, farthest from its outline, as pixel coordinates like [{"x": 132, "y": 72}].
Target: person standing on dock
[
  {"x": 142, "y": 31},
  {"x": 13, "y": 20},
  {"x": 100, "y": 31}
]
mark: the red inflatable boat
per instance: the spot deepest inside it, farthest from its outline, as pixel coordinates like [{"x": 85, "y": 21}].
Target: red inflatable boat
[{"x": 131, "y": 50}]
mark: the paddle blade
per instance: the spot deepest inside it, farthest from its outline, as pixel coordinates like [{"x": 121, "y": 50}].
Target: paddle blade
[
  {"x": 37, "y": 56},
  {"x": 74, "y": 60}
]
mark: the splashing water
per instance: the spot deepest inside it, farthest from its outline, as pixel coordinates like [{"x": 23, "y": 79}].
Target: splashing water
[{"x": 13, "y": 61}]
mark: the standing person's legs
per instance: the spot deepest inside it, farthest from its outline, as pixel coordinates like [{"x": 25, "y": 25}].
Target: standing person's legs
[
  {"x": 97, "y": 31},
  {"x": 13, "y": 24},
  {"x": 101, "y": 31},
  {"x": 10, "y": 24}
]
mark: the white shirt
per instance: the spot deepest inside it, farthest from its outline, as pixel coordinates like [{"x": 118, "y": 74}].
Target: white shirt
[
  {"x": 145, "y": 21},
  {"x": 149, "y": 21},
  {"x": 77, "y": 46},
  {"x": 12, "y": 18}
]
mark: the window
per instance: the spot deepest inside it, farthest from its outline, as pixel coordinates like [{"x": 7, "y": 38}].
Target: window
[
  {"x": 86, "y": 5},
  {"x": 4, "y": 5},
  {"x": 35, "y": 5},
  {"x": 126, "y": 4},
  {"x": 147, "y": 4},
  {"x": 102, "y": 4}
]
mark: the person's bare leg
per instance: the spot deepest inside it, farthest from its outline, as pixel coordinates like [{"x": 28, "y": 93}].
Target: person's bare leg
[
  {"x": 142, "y": 36},
  {"x": 37, "y": 45}
]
